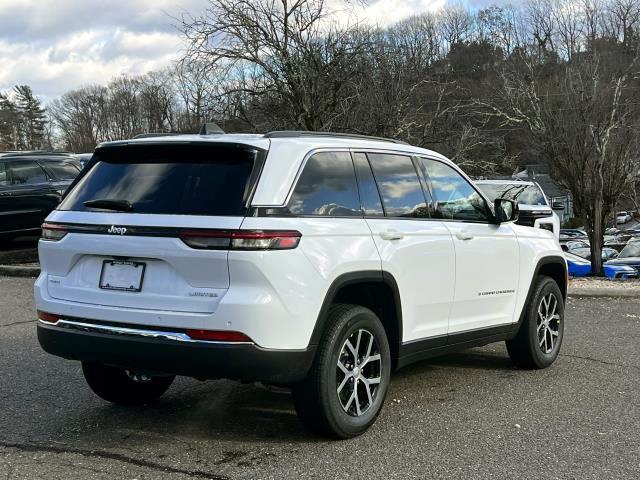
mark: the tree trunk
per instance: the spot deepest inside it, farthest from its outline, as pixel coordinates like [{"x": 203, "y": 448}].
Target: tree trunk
[{"x": 596, "y": 238}]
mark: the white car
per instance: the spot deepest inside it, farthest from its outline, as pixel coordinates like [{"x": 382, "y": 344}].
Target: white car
[
  {"x": 532, "y": 202},
  {"x": 622, "y": 217},
  {"x": 320, "y": 262}
]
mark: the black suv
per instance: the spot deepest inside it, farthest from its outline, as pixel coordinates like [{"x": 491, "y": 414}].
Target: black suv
[{"x": 31, "y": 185}]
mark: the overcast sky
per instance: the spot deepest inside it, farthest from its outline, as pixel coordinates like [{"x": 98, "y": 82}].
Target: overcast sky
[{"x": 58, "y": 45}]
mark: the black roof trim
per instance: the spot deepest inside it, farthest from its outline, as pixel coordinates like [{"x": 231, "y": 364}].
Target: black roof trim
[
  {"x": 133, "y": 144},
  {"x": 305, "y": 133}
]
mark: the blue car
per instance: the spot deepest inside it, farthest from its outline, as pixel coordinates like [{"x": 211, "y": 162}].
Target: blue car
[{"x": 580, "y": 267}]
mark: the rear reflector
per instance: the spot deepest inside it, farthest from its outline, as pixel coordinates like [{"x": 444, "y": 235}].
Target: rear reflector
[
  {"x": 48, "y": 317},
  {"x": 53, "y": 232},
  {"x": 218, "y": 336},
  {"x": 241, "y": 239}
]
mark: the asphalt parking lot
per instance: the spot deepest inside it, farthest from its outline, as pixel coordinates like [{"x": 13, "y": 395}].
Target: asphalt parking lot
[{"x": 469, "y": 415}]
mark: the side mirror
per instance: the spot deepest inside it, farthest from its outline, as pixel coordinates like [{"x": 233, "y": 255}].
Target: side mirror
[
  {"x": 557, "y": 206},
  {"x": 505, "y": 210}
]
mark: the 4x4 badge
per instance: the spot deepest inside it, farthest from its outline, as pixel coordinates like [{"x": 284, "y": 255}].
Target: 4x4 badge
[{"x": 117, "y": 230}]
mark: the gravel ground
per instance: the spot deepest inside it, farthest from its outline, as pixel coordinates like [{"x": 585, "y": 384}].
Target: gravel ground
[
  {"x": 591, "y": 282},
  {"x": 466, "y": 416}
]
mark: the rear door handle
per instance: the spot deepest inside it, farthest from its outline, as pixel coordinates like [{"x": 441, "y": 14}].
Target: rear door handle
[
  {"x": 391, "y": 235},
  {"x": 464, "y": 236}
]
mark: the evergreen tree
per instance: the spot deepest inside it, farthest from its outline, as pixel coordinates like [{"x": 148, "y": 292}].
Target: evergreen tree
[
  {"x": 31, "y": 119},
  {"x": 8, "y": 123}
]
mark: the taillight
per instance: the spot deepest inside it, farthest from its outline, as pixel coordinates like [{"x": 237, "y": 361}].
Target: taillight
[
  {"x": 47, "y": 317},
  {"x": 53, "y": 232},
  {"x": 218, "y": 336},
  {"x": 241, "y": 239}
]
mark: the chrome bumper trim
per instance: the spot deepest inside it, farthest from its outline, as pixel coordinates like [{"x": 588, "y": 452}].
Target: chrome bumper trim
[{"x": 133, "y": 332}]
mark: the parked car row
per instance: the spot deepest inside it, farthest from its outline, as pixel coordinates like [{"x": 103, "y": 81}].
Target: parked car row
[
  {"x": 621, "y": 252},
  {"x": 31, "y": 186},
  {"x": 581, "y": 267}
]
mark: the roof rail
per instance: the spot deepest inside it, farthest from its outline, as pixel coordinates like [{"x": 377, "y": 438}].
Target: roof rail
[{"x": 305, "y": 133}]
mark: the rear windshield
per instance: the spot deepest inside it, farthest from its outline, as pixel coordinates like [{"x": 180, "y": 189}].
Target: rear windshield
[
  {"x": 523, "y": 194},
  {"x": 168, "y": 179}
]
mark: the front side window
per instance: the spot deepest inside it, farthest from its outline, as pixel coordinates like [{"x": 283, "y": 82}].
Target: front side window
[
  {"x": 402, "y": 194},
  {"x": 26, "y": 173},
  {"x": 326, "y": 187},
  {"x": 455, "y": 198}
]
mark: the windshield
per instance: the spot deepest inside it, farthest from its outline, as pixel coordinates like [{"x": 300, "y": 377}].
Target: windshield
[
  {"x": 524, "y": 194},
  {"x": 169, "y": 179},
  {"x": 631, "y": 250},
  {"x": 582, "y": 252},
  {"x": 576, "y": 259}
]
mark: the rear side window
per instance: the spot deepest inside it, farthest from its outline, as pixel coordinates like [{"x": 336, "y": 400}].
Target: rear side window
[
  {"x": 400, "y": 188},
  {"x": 455, "y": 198},
  {"x": 63, "y": 170},
  {"x": 369, "y": 195},
  {"x": 26, "y": 173},
  {"x": 326, "y": 187},
  {"x": 168, "y": 179}
]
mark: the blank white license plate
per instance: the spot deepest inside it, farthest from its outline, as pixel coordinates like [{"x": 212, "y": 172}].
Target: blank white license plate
[{"x": 122, "y": 275}]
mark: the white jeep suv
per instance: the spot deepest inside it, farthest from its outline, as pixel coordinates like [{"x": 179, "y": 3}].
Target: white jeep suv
[{"x": 320, "y": 262}]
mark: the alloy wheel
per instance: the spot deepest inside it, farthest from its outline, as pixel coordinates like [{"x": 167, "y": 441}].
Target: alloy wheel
[
  {"x": 548, "y": 327},
  {"x": 358, "y": 372}
]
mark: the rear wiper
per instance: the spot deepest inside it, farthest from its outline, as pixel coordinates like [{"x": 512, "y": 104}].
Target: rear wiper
[{"x": 107, "y": 204}]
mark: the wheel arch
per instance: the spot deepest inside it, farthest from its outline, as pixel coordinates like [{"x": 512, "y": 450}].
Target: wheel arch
[
  {"x": 374, "y": 289},
  {"x": 554, "y": 266}
]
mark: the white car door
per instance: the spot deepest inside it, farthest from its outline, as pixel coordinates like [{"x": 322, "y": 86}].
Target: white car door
[
  {"x": 415, "y": 249},
  {"x": 487, "y": 255}
]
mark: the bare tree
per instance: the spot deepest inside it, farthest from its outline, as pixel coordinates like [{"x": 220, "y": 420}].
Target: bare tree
[
  {"x": 583, "y": 126},
  {"x": 292, "y": 55},
  {"x": 542, "y": 26},
  {"x": 456, "y": 24},
  {"x": 81, "y": 116},
  {"x": 569, "y": 18},
  {"x": 624, "y": 19},
  {"x": 196, "y": 83}
]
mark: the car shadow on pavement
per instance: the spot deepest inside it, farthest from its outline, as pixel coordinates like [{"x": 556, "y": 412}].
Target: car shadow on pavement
[
  {"x": 193, "y": 411},
  {"x": 222, "y": 410},
  {"x": 471, "y": 359}
]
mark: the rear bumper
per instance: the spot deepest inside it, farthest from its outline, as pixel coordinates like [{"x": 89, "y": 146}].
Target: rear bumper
[{"x": 205, "y": 360}]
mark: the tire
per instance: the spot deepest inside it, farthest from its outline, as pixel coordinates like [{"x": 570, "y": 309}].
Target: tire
[
  {"x": 325, "y": 401},
  {"x": 118, "y": 386},
  {"x": 531, "y": 348}
]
